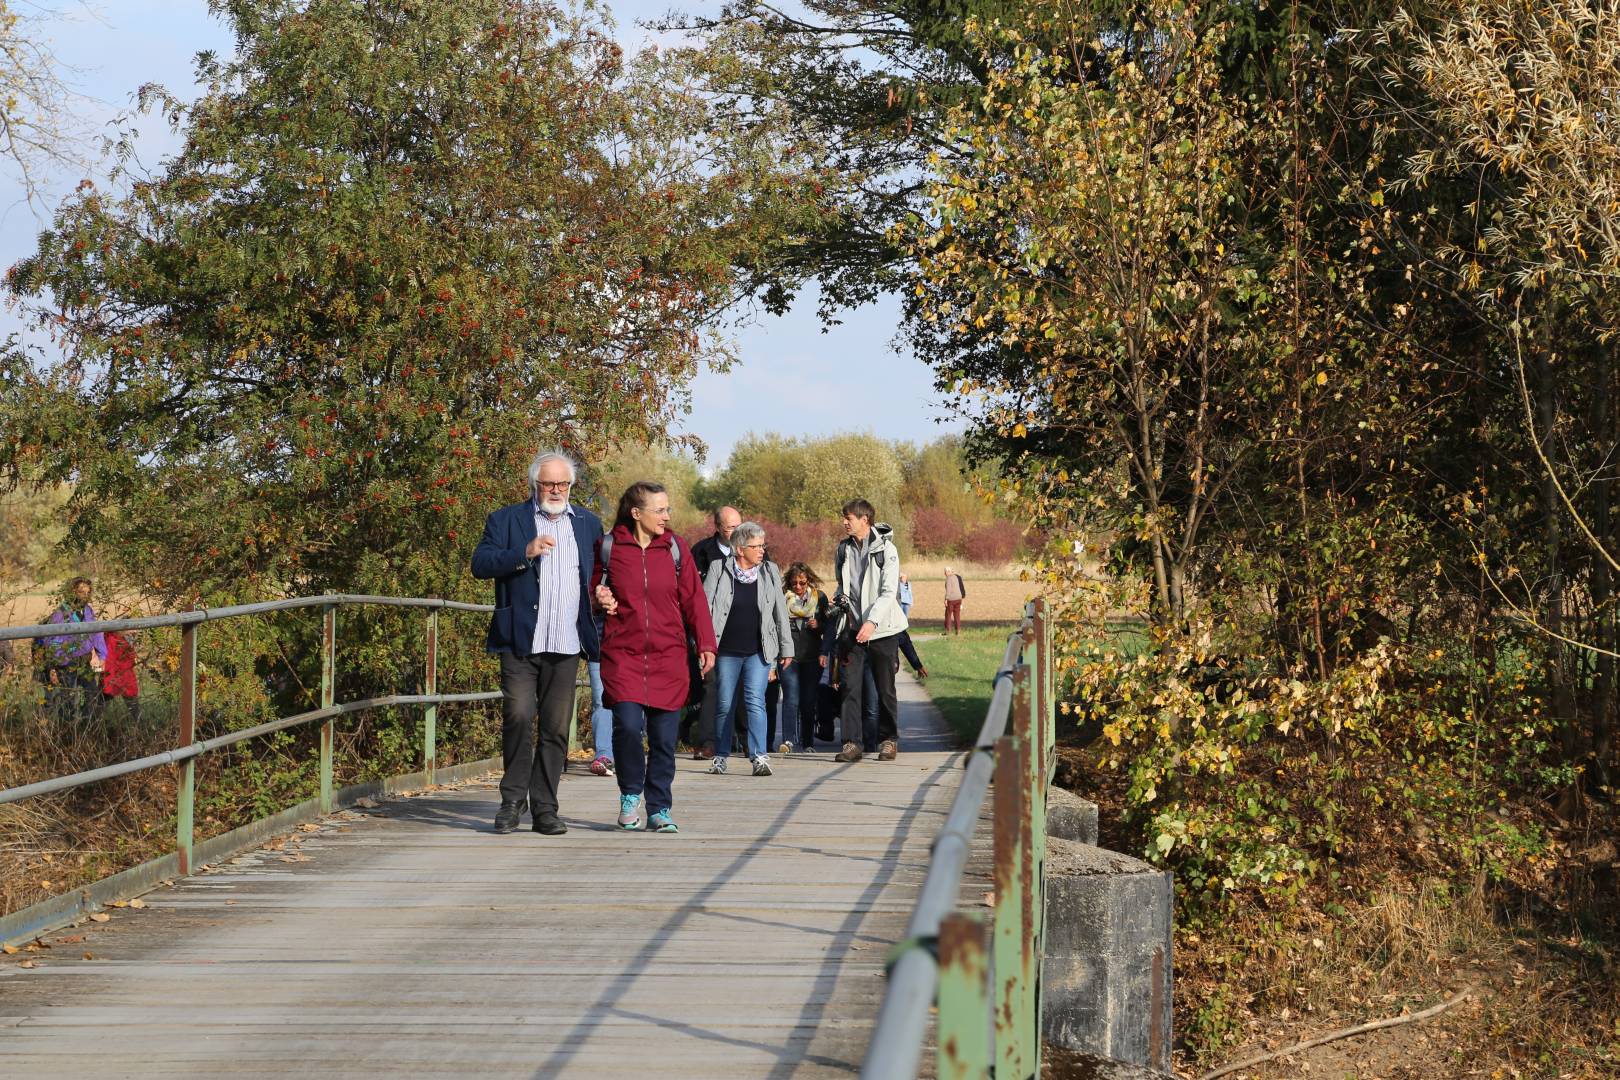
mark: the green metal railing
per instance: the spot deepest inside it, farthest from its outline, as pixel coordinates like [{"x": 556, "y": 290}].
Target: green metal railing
[
  {"x": 983, "y": 977},
  {"x": 189, "y": 748}
]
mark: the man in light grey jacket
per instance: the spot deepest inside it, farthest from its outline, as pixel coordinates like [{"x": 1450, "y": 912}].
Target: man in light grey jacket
[{"x": 868, "y": 575}]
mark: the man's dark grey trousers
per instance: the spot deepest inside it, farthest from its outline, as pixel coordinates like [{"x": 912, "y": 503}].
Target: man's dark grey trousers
[{"x": 540, "y": 687}]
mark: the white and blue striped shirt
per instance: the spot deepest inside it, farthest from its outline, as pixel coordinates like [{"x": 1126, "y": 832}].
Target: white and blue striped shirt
[{"x": 556, "y": 624}]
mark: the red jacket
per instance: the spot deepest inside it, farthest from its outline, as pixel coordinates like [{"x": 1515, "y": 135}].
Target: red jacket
[
  {"x": 119, "y": 678},
  {"x": 644, "y": 641}
]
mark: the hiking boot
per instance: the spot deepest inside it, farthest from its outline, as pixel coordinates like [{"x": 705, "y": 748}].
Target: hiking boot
[
  {"x": 549, "y": 824},
  {"x": 509, "y": 816},
  {"x": 888, "y": 751},
  {"x": 629, "y": 811},
  {"x": 850, "y": 752},
  {"x": 661, "y": 821},
  {"x": 602, "y": 766},
  {"x": 762, "y": 766},
  {"x": 704, "y": 752},
  {"x": 717, "y": 766}
]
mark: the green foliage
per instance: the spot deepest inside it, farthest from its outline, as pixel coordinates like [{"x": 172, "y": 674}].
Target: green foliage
[
  {"x": 32, "y": 524},
  {"x": 404, "y": 244},
  {"x": 797, "y": 480}
]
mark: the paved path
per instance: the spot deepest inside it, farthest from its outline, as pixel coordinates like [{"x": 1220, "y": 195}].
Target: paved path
[{"x": 410, "y": 940}]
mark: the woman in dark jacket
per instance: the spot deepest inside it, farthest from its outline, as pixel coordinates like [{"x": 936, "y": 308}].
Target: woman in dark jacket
[
  {"x": 807, "y": 614},
  {"x": 652, "y": 600}
]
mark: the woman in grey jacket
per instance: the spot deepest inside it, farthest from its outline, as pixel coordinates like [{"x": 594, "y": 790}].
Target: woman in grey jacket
[{"x": 751, "y": 623}]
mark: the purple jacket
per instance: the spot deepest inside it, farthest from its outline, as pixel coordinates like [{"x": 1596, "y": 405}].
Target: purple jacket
[{"x": 65, "y": 650}]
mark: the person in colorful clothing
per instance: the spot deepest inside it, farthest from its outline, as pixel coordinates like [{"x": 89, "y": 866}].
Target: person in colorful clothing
[
  {"x": 648, "y": 590},
  {"x": 72, "y": 663},
  {"x": 119, "y": 680}
]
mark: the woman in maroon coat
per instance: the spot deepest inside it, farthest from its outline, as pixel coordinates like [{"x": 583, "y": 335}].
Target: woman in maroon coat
[{"x": 652, "y": 601}]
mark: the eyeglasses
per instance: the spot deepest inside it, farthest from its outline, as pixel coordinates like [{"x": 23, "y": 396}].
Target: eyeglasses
[
  {"x": 554, "y": 485},
  {"x": 750, "y": 547}
]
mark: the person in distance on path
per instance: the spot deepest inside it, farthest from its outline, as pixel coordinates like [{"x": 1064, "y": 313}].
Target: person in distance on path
[
  {"x": 867, "y": 569},
  {"x": 649, "y": 591},
  {"x": 540, "y": 554}
]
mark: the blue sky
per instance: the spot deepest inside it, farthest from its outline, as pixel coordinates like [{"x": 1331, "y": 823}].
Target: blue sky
[{"x": 793, "y": 378}]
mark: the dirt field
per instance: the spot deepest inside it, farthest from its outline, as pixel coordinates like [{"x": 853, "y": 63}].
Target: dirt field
[
  {"x": 25, "y": 609},
  {"x": 995, "y": 596}
]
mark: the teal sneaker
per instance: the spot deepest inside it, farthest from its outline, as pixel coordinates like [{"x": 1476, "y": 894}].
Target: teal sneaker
[
  {"x": 629, "y": 811},
  {"x": 661, "y": 821}
]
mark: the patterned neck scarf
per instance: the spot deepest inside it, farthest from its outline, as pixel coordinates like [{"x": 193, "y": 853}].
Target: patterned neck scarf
[
  {"x": 746, "y": 577},
  {"x": 803, "y": 609}
]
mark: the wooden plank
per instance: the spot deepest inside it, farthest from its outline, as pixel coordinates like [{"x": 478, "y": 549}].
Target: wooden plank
[{"x": 412, "y": 941}]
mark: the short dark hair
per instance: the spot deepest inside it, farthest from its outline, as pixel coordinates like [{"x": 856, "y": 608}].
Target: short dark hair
[
  {"x": 73, "y": 585},
  {"x": 635, "y": 498},
  {"x": 860, "y": 508}
]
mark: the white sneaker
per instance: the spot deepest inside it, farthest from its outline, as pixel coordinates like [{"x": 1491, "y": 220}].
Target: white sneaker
[
  {"x": 717, "y": 765},
  {"x": 762, "y": 766}
]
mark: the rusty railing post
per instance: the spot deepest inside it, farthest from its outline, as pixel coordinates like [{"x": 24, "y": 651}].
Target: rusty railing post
[
  {"x": 1014, "y": 953},
  {"x": 964, "y": 999},
  {"x": 185, "y": 829},
  {"x": 328, "y": 694},
  {"x": 430, "y": 715}
]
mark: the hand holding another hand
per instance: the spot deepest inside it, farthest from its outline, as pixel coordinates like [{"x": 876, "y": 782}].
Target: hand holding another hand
[{"x": 605, "y": 600}]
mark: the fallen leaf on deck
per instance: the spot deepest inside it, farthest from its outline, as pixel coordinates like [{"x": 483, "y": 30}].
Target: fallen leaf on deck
[
  {"x": 100, "y": 916},
  {"x": 89, "y": 956},
  {"x": 276, "y": 845},
  {"x": 10, "y": 950},
  {"x": 71, "y": 939},
  {"x": 118, "y": 903},
  {"x": 137, "y": 903},
  {"x": 367, "y": 804},
  {"x": 308, "y": 827},
  {"x": 295, "y": 857},
  {"x": 27, "y": 964}
]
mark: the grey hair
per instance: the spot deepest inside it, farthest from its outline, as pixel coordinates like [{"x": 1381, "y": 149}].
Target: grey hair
[
  {"x": 539, "y": 463},
  {"x": 745, "y": 533}
]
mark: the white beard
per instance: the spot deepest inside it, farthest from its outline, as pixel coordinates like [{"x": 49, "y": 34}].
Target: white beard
[{"x": 554, "y": 508}]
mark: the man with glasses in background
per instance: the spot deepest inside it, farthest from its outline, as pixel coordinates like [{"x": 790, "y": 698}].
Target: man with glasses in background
[{"x": 540, "y": 554}]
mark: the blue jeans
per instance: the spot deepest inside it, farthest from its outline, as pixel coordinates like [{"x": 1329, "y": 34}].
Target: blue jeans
[
  {"x": 601, "y": 718},
  {"x": 651, "y": 774},
  {"x": 753, "y": 673}
]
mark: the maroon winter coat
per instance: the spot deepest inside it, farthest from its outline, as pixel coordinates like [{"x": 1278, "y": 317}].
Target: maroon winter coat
[{"x": 644, "y": 641}]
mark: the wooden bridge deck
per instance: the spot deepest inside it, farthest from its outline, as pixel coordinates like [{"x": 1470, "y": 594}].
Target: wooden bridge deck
[{"x": 410, "y": 940}]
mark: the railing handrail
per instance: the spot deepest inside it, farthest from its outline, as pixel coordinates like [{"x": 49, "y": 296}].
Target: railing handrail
[
  {"x": 202, "y": 615},
  {"x": 896, "y": 1046},
  {"x": 218, "y": 742}
]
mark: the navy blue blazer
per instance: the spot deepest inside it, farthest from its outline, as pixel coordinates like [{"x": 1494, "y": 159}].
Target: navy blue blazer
[{"x": 500, "y": 556}]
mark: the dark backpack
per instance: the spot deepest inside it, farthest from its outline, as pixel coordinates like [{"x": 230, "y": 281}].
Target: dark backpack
[{"x": 878, "y": 557}]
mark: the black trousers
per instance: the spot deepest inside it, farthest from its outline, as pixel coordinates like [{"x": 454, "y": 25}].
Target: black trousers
[
  {"x": 882, "y": 655},
  {"x": 540, "y": 687},
  {"x": 908, "y": 650}
]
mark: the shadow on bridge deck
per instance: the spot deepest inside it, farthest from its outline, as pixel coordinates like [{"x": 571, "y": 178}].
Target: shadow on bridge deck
[{"x": 413, "y": 941}]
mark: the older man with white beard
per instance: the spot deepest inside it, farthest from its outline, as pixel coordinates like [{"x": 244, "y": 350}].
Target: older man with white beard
[{"x": 540, "y": 554}]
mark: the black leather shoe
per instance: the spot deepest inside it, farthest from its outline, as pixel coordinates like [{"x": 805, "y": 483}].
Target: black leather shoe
[
  {"x": 509, "y": 816},
  {"x": 549, "y": 825}
]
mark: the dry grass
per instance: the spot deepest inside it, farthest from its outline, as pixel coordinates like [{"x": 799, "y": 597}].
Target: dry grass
[{"x": 1546, "y": 1003}]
